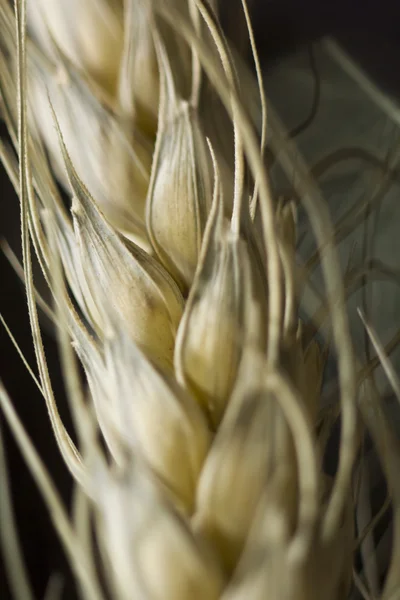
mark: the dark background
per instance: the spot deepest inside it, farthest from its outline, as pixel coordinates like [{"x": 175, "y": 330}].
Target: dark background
[{"x": 371, "y": 32}]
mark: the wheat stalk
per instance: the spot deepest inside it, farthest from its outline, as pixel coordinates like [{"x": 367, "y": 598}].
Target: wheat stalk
[{"x": 173, "y": 272}]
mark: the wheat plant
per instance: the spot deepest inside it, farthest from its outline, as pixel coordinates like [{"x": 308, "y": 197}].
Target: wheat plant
[{"x": 195, "y": 391}]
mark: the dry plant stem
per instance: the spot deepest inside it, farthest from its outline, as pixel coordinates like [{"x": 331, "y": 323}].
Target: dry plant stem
[
  {"x": 52, "y": 500},
  {"x": 67, "y": 448},
  {"x": 54, "y": 587},
  {"x": 365, "y": 372},
  {"x": 389, "y": 453},
  {"x": 13, "y": 557},
  {"x": 316, "y": 97},
  {"x": 55, "y": 203},
  {"x": 81, "y": 519},
  {"x": 320, "y": 221},
  {"x": 21, "y": 355},
  {"x": 361, "y": 586},
  {"x": 35, "y": 229},
  {"x": 71, "y": 376},
  {"x": 363, "y": 516},
  {"x": 354, "y": 216},
  {"x": 381, "y": 100},
  {"x": 357, "y": 153},
  {"x": 12, "y": 168},
  {"x": 388, "y": 367},
  {"x": 290, "y": 289},
  {"x": 353, "y": 282},
  {"x": 239, "y": 158},
  {"x": 307, "y": 461},
  {"x": 393, "y": 379},
  {"x": 389, "y": 448},
  {"x": 196, "y": 65},
  {"x": 374, "y": 522},
  {"x": 229, "y": 98},
  {"x": 9, "y": 165},
  {"x": 260, "y": 82},
  {"x": 16, "y": 265}
]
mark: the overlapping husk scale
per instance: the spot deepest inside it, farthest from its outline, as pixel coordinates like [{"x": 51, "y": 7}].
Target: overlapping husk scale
[{"x": 211, "y": 483}]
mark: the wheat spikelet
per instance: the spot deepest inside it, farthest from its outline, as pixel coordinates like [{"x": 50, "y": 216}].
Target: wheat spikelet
[{"x": 173, "y": 274}]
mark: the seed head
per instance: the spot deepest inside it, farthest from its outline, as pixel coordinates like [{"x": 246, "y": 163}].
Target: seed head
[
  {"x": 140, "y": 530},
  {"x": 180, "y": 195},
  {"x": 126, "y": 285},
  {"x": 88, "y": 34},
  {"x": 93, "y": 133},
  {"x": 228, "y": 297},
  {"x": 199, "y": 457},
  {"x": 155, "y": 419}
]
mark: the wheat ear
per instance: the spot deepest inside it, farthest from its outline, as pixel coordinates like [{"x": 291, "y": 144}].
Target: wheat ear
[{"x": 172, "y": 267}]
